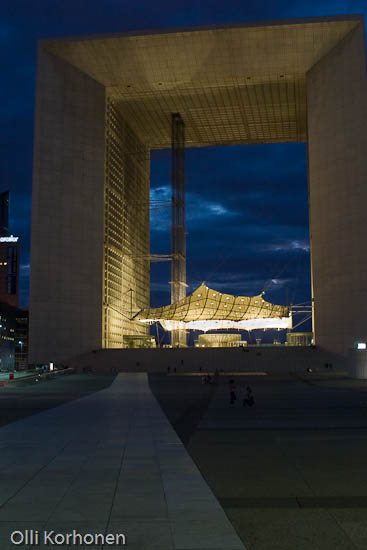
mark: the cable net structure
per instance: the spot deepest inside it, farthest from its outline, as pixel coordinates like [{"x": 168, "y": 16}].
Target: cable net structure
[{"x": 207, "y": 309}]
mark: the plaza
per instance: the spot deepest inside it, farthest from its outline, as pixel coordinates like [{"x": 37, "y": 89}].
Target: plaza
[{"x": 166, "y": 461}]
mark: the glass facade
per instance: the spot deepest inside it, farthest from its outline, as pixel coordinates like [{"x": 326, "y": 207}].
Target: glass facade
[
  {"x": 126, "y": 246},
  {"x": 4, "y": 213},
  {"x": 21, "y": 340},
  {"x": 11, "y": 269},
  {"x": 7, "y": 336}
]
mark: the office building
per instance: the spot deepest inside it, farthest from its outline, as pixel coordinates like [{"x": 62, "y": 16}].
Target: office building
[{"x": 103, "y": 102}]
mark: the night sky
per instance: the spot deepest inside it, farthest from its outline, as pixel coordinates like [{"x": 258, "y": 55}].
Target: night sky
[{"x": 247, "y": 213}]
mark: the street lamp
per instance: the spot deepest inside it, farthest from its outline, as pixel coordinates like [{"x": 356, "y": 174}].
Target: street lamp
[{"x": 21, "y": 352}]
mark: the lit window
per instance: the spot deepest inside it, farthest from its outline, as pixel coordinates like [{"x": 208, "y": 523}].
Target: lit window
[{"x": 361, "y": 345}]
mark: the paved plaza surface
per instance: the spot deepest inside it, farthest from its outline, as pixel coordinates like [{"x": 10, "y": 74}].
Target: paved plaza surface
[
  {"x": 109, "y": 462},
  {"x": 290, "y": 473},
  {"x": 31, "y": 397}
]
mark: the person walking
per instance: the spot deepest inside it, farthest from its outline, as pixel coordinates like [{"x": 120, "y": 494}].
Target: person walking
[
  {"x": 232, "y": 391},
  {"x": 249, "y": 398},
  {"x": 216, "y": 377}
]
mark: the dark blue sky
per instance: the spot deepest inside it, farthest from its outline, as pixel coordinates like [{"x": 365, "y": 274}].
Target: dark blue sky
[
  {"x": 247, "y": 209},
  {"x": 247, "y": 220}
]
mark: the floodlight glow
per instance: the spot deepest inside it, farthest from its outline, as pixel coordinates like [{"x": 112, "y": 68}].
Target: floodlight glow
[
  {"x": 249, "y": 324},
  {"x": 361, "y": 345}
]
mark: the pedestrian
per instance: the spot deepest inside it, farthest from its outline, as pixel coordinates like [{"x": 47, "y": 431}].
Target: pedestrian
[
  {"x": 232, "y": 391},
  {"x": 216, "y": 377},
  {"x": 249, "y": 398}
]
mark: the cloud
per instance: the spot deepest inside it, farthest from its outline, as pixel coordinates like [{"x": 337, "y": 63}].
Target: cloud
[
  {"x": 198, "y": 209},
  {"x": 217, "y": 209},
  {"x": 289, "y": 245}
]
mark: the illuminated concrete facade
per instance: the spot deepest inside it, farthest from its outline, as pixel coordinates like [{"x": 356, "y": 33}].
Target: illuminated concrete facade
[{"x": 104, "y": 102}]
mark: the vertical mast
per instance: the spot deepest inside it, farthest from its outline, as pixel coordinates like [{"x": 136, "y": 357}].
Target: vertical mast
[{"x": 178, "y": 228}]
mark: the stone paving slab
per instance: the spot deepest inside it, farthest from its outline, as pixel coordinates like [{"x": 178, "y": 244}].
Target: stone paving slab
[
  {"x": 290, "y": 472},
  {"x": 287, "y": 405},
  {"x": 283, "y": 529},
  {"x": 109, "y": 462}
]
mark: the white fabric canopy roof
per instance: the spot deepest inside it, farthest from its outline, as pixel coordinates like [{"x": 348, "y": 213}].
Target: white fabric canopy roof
[{"x": 206, "y": 309}]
